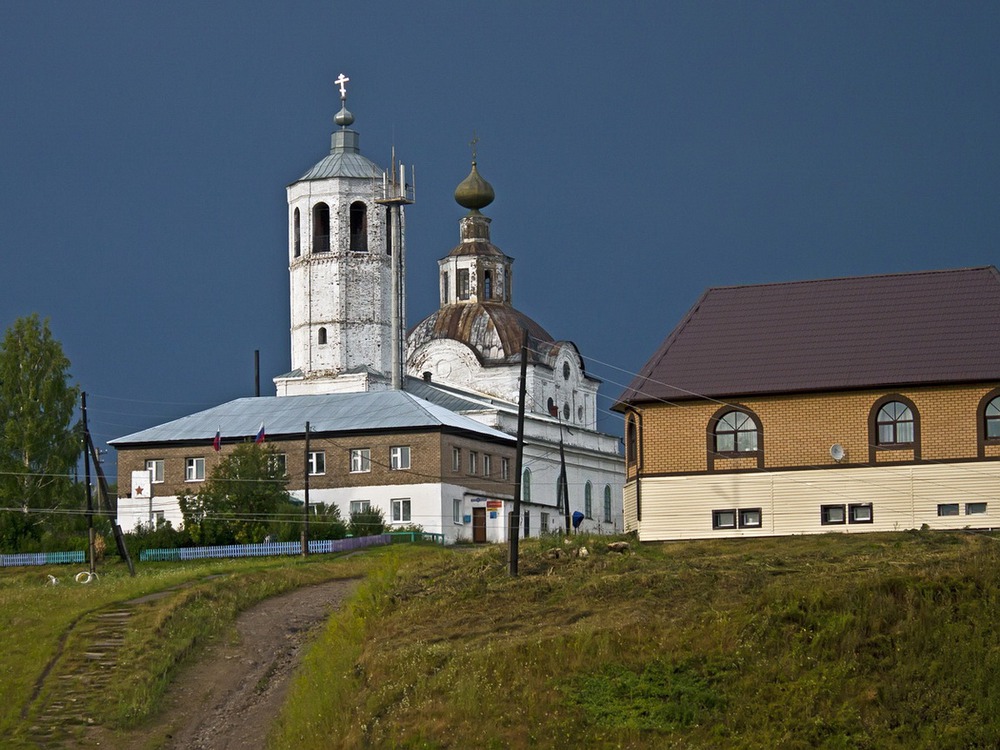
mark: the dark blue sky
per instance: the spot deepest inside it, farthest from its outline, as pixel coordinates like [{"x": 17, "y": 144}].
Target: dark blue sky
[{"x": 640, "y": 153}]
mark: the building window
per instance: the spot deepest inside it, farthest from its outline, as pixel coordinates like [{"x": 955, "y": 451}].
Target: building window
[
  {"x": 607, "y": 502},
  {"x": 735, "y": 432},
  {"x": 401, "y": 511},
  {"x": 155, "y": 467},
  {"x": 276, "y": 464},
  {"x": 359, "y": 227},
  {"x": 194, "y": 470},
  {"x": 948, "y": 509},
  {"x": 527, "y": 524},
  {"x": 975, "y": 509},
  {"x": 588, "y": 500},
  {"x": 487, "y": 464},
  {"x": 832, "y": 515},
  {"x": 399, "y": 457},
  {"x": 456, "y": 510},
  {"x": 750, "y": 518},
  {"x": 321, "y": 336},
  {"x": 543, "y": 525},
  {"x": 860, "y": 513},
  {"x": 456, "y": 459},
  {"x": 321, "y": 228},
  {"x": 388, "y": 230},
  {"x": 723, "y": 519},
  {"x": 992, "y": 419},
  {"x": 473, "y": 462},
  {"x": 488, "y": 285},
  {"x": 445, "y": 289},
  {"x": 317, "y": 463},
  {"x": 361, "y": 460},
  {"x": 631, "y": 440},
  {"x": 297, "y": 233},
  {"x": 360, "y": 506},
  {"x": 895, "y": 424},
  {"x": 504, "y": 468},
  {"x": 526, "y": 486},
  {"x": 462, "y": 283}
]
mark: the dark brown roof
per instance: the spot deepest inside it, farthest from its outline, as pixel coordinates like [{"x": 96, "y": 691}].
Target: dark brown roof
[
  {"x": 830, "y": 334},
  {"x": 493, "y": 331}
]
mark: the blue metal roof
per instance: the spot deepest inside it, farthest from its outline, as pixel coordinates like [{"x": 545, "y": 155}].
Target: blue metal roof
[{"x": 329, "y": 413}]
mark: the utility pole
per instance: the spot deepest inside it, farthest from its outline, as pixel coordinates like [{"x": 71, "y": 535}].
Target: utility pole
[
  {"x": 86, "y": 473},
  {"x": 305, "y": 521},
  {"x": 515, "y": 520}
]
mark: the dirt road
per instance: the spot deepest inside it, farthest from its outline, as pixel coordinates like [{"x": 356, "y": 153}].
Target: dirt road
[{"x": 230, "y": 698}]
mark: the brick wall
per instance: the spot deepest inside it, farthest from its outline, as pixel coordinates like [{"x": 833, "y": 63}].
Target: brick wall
[
  {"x": 799, "y": 430},
  {"x": 430, "y": 461}
]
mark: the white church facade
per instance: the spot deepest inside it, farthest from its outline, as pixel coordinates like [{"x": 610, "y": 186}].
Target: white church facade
[{"x": 446, "y": 394}]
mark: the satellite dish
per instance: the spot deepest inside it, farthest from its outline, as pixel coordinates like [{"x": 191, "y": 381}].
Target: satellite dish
[{"x": 837, "y": 452}]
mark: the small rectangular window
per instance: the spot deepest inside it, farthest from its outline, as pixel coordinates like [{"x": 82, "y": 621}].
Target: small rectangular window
[
  {"x": 860, "y": 513},
  {"x": 487, "y": 464},
  {"x": 473, "y": 462},
  {"x": 948, "y": 509},
  {"x": 155, "y": 465},
  {"x": 361, "y": 460},
  {"x": 723, "y": 519},
  {"x": 975, "y": 509},
  {"x": 456, "y": 510},
  {"x": 832, "y": 515},
  {"x": 317, "y": 463},
  {"x": 456, "y": 459},
  {"x": 505, "y": 468},
  {"x": 401, "y": 511},
  {"x": 527, "y": 524},
  {"x": 360, "y": 506},
  {"x": 544, "y": 524},
  {"x": 462, "y": 281},
  {"x": 276, "y": 464},
  {"x": 750, "y": 518},
  {"x": 399, "y": 457},
  {"x": 194, "y": 470}
]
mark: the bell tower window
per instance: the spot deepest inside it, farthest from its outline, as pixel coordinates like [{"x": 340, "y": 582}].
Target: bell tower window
[
  {"x": 488, "y": 285},
  {"x": 444, "y": 288},
  {"x": 388, "y": 230},
  {"x": 462, "y": 282},
  {"x": 359, "y": 227},
  {"x": 321, "y": 228},
  {"x": 297, "y": 233},
  {"x": 321, "y": 337}
]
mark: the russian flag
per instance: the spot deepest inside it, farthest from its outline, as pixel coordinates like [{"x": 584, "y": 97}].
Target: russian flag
[
  {"x": 260, "y": 435},
  {"x": 217, "y": 443}
]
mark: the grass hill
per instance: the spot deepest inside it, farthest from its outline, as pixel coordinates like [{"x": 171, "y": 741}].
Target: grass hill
[{"x": 833, "y": 641}]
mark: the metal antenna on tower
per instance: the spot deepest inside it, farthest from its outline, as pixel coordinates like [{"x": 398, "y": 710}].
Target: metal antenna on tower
[{"x": 396, "y": 194}]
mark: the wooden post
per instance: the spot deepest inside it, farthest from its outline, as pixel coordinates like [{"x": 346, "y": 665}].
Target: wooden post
[
  {"x": 305, "y": 521},
  {"x": 515, "y": 520}
]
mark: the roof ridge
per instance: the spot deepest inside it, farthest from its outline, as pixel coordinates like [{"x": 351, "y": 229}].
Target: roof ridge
[{"x": 930, "y": 272}]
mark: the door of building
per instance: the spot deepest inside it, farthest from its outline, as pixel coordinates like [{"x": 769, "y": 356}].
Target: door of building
[{"x": 479, "y": 525}]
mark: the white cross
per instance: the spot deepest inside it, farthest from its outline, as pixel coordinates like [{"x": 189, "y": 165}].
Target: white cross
[{"x": 340, "y": 82}]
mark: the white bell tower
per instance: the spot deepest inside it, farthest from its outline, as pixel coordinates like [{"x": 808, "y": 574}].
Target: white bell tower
[{"x": 340, "y": 252}]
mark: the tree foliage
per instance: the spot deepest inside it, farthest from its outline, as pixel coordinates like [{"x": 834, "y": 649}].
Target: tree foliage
[
  {"x": 239, "y": 501},
  {"x": 39, "y": 441}
]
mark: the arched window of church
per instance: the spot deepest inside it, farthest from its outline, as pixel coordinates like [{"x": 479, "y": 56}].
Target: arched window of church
[
  {"x": 488, "y": 285},
  {"x": 607, "y": 502},
  {"x": 359, "y": 227},
  {"x": 388, "y": 230},
  {"x": 444, "y": 288},
  {"x": 322, "y": 336},
  {"x": 588, "y": 500},
  {"x": 297, "y": 233},
  {"x": 526, "y": 486},
  {"x": 321, "y": 228}
]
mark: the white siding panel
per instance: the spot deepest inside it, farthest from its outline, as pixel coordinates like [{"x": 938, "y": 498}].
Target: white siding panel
[{"x": 901, "y": 497}]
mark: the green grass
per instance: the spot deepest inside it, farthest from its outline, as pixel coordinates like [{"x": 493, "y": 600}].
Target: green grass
[
  {"x": 860, "y": 641},
  {"x": 39, "y": 622}
]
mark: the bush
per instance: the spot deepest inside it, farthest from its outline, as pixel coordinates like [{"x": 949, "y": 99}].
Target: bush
[
  {"x": 161, "y": 536},
  {"x": 368, "y": 522}
]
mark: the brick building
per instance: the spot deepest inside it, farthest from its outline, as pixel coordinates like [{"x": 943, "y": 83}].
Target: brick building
[{"x": 853, "y": 404}]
